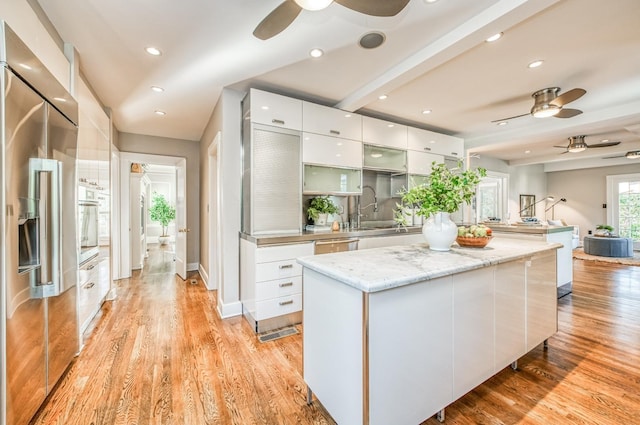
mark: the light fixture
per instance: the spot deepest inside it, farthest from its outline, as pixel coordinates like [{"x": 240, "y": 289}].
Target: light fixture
[
  {"x": 264, "y": 108},
  {"x": 494, "y": 37},
  {"x": 154, "y": 51},
  {"x": 159, "y": 112},
  {"x": 543, "y": 107},
  {"x": 372, "y": 40},
  {"x": 382, "y": 97},
  {"x": 430, "y": 1},
  {"x": 548, "y": 198},
  {"x": 632, "y": 155},
  {"x": 157, "y": 89},
  {"x": 535, "y": 63},
  {"x": 527, "y": 151},
  {"x": 390, "y": 125},
  {"x": 316, "y": 53},
  {"x": 501, "y": 123},
  {"x": 376, "y": 155},
  {"x": 314, "y": 4},
  {"x": 576, "y": 144},
  {"x": 554, "y": 204},
  {"x": 347, "y": 115},
  {"x": 426, "y": 111}
]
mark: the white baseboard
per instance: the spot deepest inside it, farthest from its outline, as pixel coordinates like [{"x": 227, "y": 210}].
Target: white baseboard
[
  {"x": 229, "y": 310},
  {"x": 205, "y": 277},
  {"x": 192, "y": 267}
]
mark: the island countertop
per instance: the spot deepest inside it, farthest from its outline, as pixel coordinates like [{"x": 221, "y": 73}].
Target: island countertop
[{"x": 378, "y": 269}]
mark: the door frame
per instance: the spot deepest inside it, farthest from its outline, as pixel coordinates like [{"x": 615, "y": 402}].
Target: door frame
[
  {"x": 214, "y": 212},
  {"x": 612, "y": 200},
  {"x": 126, "y": 159}
]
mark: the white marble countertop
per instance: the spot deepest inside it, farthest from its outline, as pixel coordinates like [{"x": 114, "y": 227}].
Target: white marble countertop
[{"x": 377, "y": 269}]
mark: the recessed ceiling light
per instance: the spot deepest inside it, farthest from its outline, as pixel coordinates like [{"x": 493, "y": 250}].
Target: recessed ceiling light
[
  {"x": 430, "y": 1},
  {"x": 390, "y": 125},
  {"x": 432, "y": 141},
  {"x": 25, "y": 66},
  {"x": 159, "y": 112},
  {"x": 153, "y": 51},
  {"x": 264, "y": 108},
  {"x": 604, "y": 140},
  {"x": 157, "y": 89},
  {"x": 535, "y": 64},
  {"x": 527, "y": 151},
  {"x": 426, "y": 111},
  {"x": 494, "y": 37},
  {"x": 347, "y": 115},
  {"x": 316, "y": 53},
  {"x": 501, "y": 123},
  {"x": 382, "y": 97}
]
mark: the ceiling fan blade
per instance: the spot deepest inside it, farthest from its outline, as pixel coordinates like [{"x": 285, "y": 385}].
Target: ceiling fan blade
[
  {"x": 567, "y": 113},
  {"x": 510, "y": 118},
  {"x": 276, "y": 21},
  {"x": 375, "y": 7},
  {"x": 568, "y": 97},
  {"x": 615, "y": 156},
  {"x": 561, "y": 147},
  {"x": 604, "y": 145}
]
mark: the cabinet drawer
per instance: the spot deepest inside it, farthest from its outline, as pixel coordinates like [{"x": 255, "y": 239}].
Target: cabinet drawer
[
  {"x": 333, "y": 151},
  {"x": 278, "y": 306},
  {"x": 276, "y": 110},
  {"x": 283, "y": 252},
  {"x": 88, "y": 302},
  {"x": 278, "y": 288},
  {"x": 277, "y": 270},
  {"x": 331, "y": 121}
]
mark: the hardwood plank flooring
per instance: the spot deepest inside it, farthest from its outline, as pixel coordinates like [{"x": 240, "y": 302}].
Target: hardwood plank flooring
[{"x": 159, "y": 354}]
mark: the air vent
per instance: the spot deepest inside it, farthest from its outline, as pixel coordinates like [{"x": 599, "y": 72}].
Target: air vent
[{"x": 372, "y": 40}]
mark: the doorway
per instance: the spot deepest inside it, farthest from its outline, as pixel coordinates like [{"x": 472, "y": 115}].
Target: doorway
[
  {"x": 214, "y": 212},
  {"x": 174, "y": 186},
  {"x": 623, "y": 199}
]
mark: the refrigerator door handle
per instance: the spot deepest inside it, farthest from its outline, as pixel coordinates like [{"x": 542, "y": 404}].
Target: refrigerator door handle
[{"x": 48, "y": 282}]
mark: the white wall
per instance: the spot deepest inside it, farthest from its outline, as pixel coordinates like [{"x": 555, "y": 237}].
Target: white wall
[
  {"x": 585, "y": 191},
  {"x": 226, "y": 118}
]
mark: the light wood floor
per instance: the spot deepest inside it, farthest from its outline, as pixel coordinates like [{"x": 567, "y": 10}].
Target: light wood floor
[{"x": 159, "y": 354}]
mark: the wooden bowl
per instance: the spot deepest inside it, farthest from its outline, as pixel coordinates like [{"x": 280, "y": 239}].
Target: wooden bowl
[{"x": 473, "y": 242}]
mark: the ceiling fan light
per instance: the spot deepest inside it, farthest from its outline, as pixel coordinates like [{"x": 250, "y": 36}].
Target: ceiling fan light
[
  {"x": 577, "y": 147},
  {"x": 544, "y": 110},
  {"x": 632, "y": 155},
  {"x": 314, "y": 4}
]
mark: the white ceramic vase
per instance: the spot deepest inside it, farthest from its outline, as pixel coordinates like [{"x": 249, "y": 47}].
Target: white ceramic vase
[
  {"x": 322, "y": 219},
  {"x": 439, "y": 231}
]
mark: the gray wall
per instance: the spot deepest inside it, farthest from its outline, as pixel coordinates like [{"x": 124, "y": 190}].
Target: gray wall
[{"x": 188, "y": 149}]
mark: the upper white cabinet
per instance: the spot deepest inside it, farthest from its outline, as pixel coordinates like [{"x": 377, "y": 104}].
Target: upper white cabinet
[
  {"x": 276, "y": 110},
  {"x": 420, "y": 162},
  {"x": 384, "y": 133},
  {"x": 331, "y": 121},
  {"x": 428, "y": 141},
  {"x": 333, "y": 151}
]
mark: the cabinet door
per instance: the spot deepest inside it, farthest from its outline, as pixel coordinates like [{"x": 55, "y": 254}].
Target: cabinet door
[
  {"x": 542, "y": 300},
  {"x": 386, "y": 159},
  {"x": 331, "y": 121},
  {"x": 320, "y": 180},
  {"x": 428, "y": 141},
  {"x": 384, "y": 133},
  {"x": 275, "y": 110},
  {"x": 420, "y": 162},
  {"x": 510, "y": 313},
  {"x": 332, "y": 151},
  {"x": 473, "y": 331}
]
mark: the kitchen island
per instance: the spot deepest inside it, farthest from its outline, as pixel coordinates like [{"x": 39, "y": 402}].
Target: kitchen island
[{"x": 394, "y": 335}]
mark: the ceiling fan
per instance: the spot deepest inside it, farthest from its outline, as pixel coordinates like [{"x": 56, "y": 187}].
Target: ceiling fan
[
  {"x": 577, "y": 144},
  {"x": 282, "y": 16},
  {"x": 628, "y": 155},
  {"x": 547, "y": 103}
]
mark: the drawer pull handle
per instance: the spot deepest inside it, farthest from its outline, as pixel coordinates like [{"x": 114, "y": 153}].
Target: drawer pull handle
[
  {"x": 90, "y": 285},
  {"x": 286, "y": 302},
  {"x": 427, "y": 149},
  {"x": 275, "y": 121},
  {"x": 91, "y": 267},
  {"x": 336, "y": 132},
  {"x": 454, "y": 153},
  {"x": 286, "y": 266},
  {"x": 284, "y": 285}
]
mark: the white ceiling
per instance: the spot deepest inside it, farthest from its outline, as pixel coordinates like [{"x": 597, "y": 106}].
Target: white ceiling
[{"x": 434, "y": 57}]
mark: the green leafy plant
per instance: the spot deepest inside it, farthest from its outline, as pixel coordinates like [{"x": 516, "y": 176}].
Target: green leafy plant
[
  {"x": 320, "y": 205},
  {"x": 445, "y": 189},
  {"x": 161, "y": 211},
  {"x": 604, "y": 227}
]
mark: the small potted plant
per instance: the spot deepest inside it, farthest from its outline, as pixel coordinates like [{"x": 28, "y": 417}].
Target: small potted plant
[
  {"x": 443, "y": 193},
  {"x": 162, "y": 212},
  {"x": 603, "y": 230},
  {"x": 319, "y": 208}
]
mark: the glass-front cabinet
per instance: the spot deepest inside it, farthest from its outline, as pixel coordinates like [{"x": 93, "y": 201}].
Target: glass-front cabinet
[
  {"x": 331, "y": 180},
  {"x": 383, "y": 158}
]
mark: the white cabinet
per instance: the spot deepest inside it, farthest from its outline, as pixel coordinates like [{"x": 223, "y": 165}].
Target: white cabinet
[
  {"x": 510, "y": 312},
  {"x": 420, "y": 162},
  {"x": 331, "y": 121},
  {"x": 321, "y": 180},
  {"x": 428, "y": 141},
  {"x": 542, "y": 300},
  {"x": 93, "y": 286},
  {"x": 385, "y": 159},
  {"x": 271, "y": 284},
  {"x": 331, "y": 151},
  {"x": 400, "y": 239},
  {"x": 384, "y": 133},
  {"x": 275, "y": 110}
]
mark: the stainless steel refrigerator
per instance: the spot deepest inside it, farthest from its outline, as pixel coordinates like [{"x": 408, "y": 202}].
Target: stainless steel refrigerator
[{"x": 39, "y": 259}]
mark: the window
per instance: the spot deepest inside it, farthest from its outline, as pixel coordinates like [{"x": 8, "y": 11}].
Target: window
[
  {"x": 623, "y": 198},
  {"x": 492, "y": 196}
]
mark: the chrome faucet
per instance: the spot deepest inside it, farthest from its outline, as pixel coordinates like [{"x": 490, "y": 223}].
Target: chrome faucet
[{"x": 360, "y": 208}]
